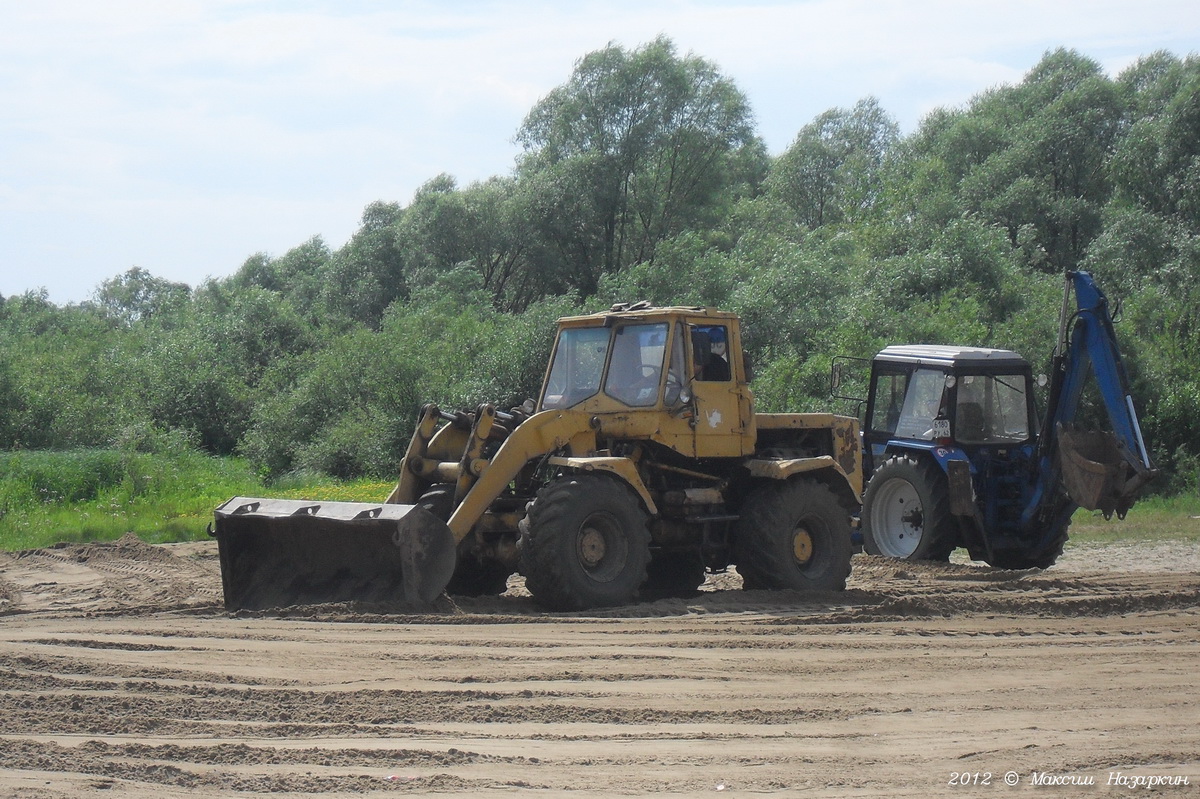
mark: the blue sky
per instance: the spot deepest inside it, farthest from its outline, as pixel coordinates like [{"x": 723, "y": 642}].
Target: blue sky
[{"x": 185, "y": 136}]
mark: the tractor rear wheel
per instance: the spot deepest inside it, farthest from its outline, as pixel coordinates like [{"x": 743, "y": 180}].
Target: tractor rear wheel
[
  {"x": 794, "y": 535},
  {"x": 1023, "y": 559},
  {"x": 906, "y": 512},
  {"x": 585, "y": 543}
]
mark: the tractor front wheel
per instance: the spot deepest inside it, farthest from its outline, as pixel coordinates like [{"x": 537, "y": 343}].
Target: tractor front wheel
[{"x": 585, "y": 543}]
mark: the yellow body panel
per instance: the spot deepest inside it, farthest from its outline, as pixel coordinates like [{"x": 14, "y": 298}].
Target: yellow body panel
[{"x": 624, "y": 468}]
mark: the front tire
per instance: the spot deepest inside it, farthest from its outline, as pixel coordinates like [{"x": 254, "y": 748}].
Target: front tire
[
  {"x": 585, "y": 543},
  {"x": 906, "y": 512},
  {"x": 794, "y": 535}
]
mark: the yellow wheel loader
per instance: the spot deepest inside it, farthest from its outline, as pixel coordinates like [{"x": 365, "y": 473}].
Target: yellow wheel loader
[{"x": 641, "y": 465}]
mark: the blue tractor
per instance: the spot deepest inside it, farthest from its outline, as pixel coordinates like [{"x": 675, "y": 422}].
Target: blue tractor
[{"x": 955, "y": 454}]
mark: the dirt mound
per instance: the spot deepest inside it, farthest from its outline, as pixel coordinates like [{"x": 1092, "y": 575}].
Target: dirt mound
[{"x": 127, "y": 575}]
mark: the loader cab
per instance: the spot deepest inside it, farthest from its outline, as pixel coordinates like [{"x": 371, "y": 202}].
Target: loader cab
[
  {"x": 677, "y": 366},
  {"x": 600, "y": 365},
  {"x": 925, "y": 397}
]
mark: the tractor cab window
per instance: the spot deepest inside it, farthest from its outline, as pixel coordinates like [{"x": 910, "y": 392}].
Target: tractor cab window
[
  {"x": 889, "y": 392},
  {"x": 634, "y": 374},
  {"x": 578, "y": 365},
  {"x": 907, "y": 402},
  {"x": 991, "y": 409},
  {"x": 710, "y": 352},
  {"x": 922, "y": 403}
]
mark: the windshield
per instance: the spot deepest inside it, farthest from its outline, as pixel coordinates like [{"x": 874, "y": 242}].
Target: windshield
[
  {"x": 991, "y": 409},
  {"x": 577, "y": 367},
  {"x": 637, "y": 364}
]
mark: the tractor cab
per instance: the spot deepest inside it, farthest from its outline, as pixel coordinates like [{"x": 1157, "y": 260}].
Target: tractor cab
[
  {"x": 926, "y": 396},
  {"x": 675, "y": 376}
]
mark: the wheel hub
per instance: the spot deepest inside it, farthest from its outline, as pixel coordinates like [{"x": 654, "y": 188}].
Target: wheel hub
[
  {"x": 897, "y": 518},
  {"x": 592, "y": 547},
  {"x": 802, "y": 546}
]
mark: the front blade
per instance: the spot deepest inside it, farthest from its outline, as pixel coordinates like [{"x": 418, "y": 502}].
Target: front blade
[{"x": 277, "y": 553}]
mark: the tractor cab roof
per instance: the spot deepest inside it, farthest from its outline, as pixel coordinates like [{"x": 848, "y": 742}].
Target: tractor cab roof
[
  {"x": 644, "y": 312},
  {"x": 951, "y": 357}
]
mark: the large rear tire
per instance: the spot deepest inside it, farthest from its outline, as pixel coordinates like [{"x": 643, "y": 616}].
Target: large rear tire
[
  {"x": 906, "y": 512},
  {"x": 794, "y": 535},
  {"x": 1022, "y": 559},
  {"x": 585, "y": 543}
]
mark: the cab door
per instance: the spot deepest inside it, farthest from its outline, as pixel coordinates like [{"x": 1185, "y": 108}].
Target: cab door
[{"x": 718, "y": 398}]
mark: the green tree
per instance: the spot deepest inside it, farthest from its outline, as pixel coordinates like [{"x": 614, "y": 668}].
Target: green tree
[
  {"x": 486, "y": 225},
  {"x": 833, "y": 171},
  {"x": 139, "y": 296},
  {"x": 368, "y": 274},
  {"x": 636, "y": 146},
  {"x": 1157, "y": 163},
  {"x": 1052, "y": 174}
]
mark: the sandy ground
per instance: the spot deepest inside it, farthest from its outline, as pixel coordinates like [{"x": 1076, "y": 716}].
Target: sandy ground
[{"x": 120, "y": 675}]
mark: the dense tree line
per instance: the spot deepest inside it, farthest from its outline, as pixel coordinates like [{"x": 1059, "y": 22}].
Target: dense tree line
[{"x": 642, "y": 178}]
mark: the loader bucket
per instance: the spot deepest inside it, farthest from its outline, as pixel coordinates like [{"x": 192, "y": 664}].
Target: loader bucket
[
  {"x": 281, "y": 552},
  {"x": 1097, "y": 474}
]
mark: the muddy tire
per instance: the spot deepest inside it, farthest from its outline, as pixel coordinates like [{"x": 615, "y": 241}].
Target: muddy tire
[
  {"x": 472, "y": 576},
  {"x": 438, "y": 500},
  {"x": 906, "y": 512},
  {"x": 794, "y": 535},
  {"x": 585, "y": 544},
  {"x": 1022, "y": 559}
]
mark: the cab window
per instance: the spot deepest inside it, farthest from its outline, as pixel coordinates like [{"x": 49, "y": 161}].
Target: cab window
[
  {"x": 922, "y": 402},
  {"x": 710, "y": 353},
  {"x": 636, "y": 367},
  {"x": 577, "y": 368},
  {"x": 889, "y": 391},
  {"x": 991, "y": 409},
  {"x": 906, "y": 403}
]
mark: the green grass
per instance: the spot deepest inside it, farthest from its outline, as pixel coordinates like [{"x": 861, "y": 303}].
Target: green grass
[
  {"x": 1152, "y": 519},
  {"x": 100, "y": 495}
]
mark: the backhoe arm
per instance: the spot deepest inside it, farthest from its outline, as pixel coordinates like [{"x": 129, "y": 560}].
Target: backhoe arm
[{"x": 1101, "y": 471}]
